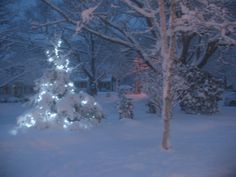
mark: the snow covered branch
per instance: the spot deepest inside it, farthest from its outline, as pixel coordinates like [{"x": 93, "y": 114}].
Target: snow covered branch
[
  {"x": 39, "y": 25},
  {"x": 144, "y": 12}
]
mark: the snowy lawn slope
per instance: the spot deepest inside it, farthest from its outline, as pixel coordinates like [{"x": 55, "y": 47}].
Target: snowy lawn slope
[{"x": 203, "y": 146}]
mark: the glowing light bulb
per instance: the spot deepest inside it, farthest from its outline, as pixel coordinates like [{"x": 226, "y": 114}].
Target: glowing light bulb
[
  {"x": 51, "y": 116},
  {"x": 67, "y": 123},
  {"x": 59, "y": 43},
  {"x": 71, "y": 84},
  {"x": 55, "y": 97},
  {"x": 60, "y": 67},
  {"x": 67, "y": 62},
  {"x": 56, "y": 52},
  {"x": 68, "y": 70},
  {"x": 50, "y": 59},
  {"x": 31, "y": 121},
  {"x": 83, "y": 102},
  {"x": 45, "y": 85},
  {"x": 39, "y": 99}
]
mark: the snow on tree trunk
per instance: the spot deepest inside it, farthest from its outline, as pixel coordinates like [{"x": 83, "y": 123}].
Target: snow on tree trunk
[{"x": 168, "y": 54}]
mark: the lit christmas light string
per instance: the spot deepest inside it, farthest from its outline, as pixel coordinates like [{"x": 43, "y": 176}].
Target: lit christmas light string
[
  {"x": 57, "y": 104},
  {"x": 59, "y": 62}
]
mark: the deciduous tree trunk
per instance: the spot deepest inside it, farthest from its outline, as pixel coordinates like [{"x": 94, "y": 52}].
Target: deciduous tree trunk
[{"x": 168, "y": 54}]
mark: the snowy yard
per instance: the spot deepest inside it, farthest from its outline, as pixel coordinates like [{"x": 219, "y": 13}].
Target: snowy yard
[
  {"x": 202, "y": 146},
  {"x": 86, "y": 63}
]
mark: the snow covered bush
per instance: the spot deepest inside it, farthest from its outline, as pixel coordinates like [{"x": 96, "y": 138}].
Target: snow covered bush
[
  {"x": 57, "y": 104},
  {"x": 152, "y": 86},
  {"x": 202, "y": 93},
  {"x": 124, "y": 89},
  {"x": 196, "y": 91},
  {"x": 125, "y": 107}
]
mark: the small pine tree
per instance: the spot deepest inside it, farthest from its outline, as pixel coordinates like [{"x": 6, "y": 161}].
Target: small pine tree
[
  {"x": 57, "y": 104},
  {"x": 125, "y": 107}
]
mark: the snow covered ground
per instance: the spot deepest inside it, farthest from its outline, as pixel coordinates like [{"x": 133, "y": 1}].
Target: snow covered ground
[{"x": 203, "y": 146}]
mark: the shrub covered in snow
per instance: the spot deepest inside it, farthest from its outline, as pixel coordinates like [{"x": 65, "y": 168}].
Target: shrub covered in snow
[
  {"x": 152, "y": 106},
  {"x": 196, "y": 91},
  {"x": 125, "y": 107},
  {"x": 152, "y": 85},
  {"x": 202, "y": 93},
  {"x": 77, "y": 110}
]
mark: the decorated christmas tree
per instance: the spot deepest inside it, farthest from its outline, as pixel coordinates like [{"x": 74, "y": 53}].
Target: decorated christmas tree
[{"x": 57, "y": 104}]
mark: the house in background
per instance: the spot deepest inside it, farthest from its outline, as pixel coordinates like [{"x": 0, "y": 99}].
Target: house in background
[
  {"x": 17, "y": 81},
  {"x": 21, "y": 89},
  {"x": 104, "y": 84},
  {"x": 16, "y": 91},
  {"x": 15, "y": 87},
  {"x": 107, "y": 83},
  {"x": 82, "y": 83}
]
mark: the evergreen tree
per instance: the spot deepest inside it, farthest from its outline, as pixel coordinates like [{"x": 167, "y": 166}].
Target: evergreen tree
[
  {"x": 202, "y": 93},
  {"x": 125, "y": 107},
  {"x": 57, "y": 104}
]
